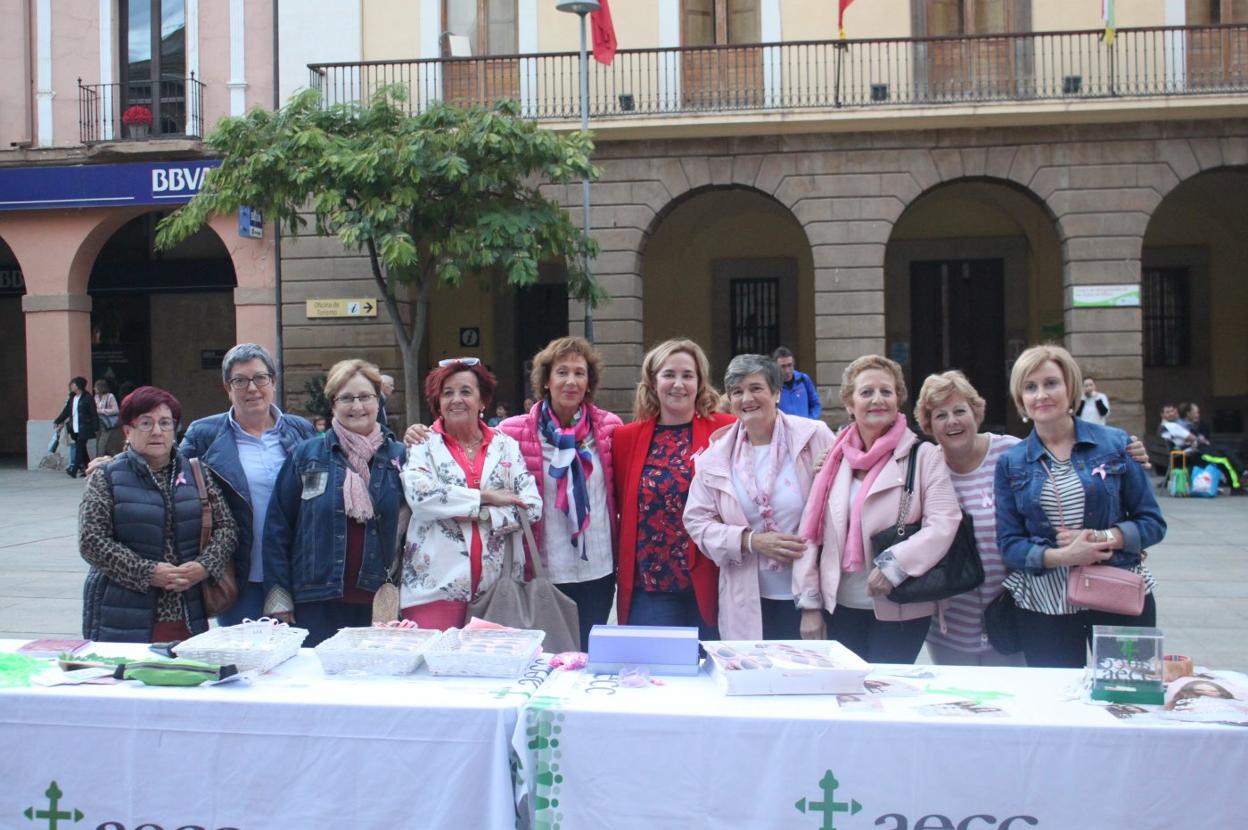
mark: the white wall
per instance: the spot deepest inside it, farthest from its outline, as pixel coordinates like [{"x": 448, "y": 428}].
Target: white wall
[{"x": 316, "y": 31}]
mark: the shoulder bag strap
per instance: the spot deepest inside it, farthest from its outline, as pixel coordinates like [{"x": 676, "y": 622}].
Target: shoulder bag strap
[
  {"x": 205, "y": 509},
  {"x": 528, "y": 537},
  {"x": 903, "y": 509}
]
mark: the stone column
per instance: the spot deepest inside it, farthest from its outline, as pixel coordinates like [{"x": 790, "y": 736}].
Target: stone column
[{"x": 58, "y": 347}]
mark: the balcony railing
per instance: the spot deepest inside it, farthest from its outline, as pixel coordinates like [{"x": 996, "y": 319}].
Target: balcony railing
[
  {"x": 889, "y": 72},
  {"x": 176, "y": 105}
]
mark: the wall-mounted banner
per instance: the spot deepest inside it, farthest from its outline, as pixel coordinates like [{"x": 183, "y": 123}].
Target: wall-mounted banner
[
  {"x": 102, "y": 185},
  {"x": 1107, "y": 296}
]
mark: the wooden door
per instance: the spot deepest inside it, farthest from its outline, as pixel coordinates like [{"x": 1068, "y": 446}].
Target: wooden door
[
  {"x": 1216, "y": 57},
  {"x": 982, "y": 67},
  {"x": 728, "y": 73},
  {"x": 957, "y": 321}
]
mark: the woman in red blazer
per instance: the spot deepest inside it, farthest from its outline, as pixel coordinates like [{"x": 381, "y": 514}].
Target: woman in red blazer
[{"x": 662, "y": 577}]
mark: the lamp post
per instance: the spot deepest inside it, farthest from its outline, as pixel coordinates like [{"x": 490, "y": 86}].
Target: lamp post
[{"x": 581, "y": 8}]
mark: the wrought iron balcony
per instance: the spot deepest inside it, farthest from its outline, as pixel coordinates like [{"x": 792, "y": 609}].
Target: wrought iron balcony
[
  {"x": 888, "y": 72},
  {"x": 172, "y": 106}
]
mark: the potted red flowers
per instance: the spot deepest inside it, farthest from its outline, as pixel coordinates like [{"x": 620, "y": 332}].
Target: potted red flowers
[{"x": 138, "y": 121}]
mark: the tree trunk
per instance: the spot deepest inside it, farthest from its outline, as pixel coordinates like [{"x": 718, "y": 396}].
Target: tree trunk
[{"x": 411, "y": 350}]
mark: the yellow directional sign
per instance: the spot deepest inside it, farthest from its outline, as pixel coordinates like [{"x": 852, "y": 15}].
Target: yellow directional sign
[{"x": 360, "y": 307}]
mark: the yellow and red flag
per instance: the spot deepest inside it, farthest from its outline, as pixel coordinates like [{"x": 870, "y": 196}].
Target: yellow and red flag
[{"x": 840, "y": 17}]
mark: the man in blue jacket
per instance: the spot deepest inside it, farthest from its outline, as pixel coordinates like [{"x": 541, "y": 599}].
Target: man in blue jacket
[
  {"x": 798, "y": 395},
  {"x": 245, "y": 447}
]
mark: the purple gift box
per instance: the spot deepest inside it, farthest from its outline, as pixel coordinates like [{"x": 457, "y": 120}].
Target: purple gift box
[{"x": 664, "y": 649}]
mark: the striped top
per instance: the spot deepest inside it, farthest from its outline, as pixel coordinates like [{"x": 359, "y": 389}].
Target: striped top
[
  {"x": 964, "y": 614},
  {"x": 1062, "y": 502}
]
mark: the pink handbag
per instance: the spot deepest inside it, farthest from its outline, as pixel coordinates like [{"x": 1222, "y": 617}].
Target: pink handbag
[{"x": 1106, "y": 588}]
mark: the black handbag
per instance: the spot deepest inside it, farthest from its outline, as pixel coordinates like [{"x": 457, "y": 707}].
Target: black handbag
[
  {"x": 1001, "y": 624},
  {"x": 958, "y": 571}
]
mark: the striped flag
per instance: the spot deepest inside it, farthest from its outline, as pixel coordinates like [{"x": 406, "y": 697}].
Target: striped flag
[
  {"x": 840, "y": 17},
  {"x": 1107, "y": 14}
]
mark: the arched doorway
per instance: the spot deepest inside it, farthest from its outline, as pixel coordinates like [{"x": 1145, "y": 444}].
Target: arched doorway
[
  {"x": 730, "y": 268},
  {"x": 973, "y": 275},
  {"x": 1193, "y": 294},
  {"x": 164, "y": 318},
  {"x": 13, "y": 347}
]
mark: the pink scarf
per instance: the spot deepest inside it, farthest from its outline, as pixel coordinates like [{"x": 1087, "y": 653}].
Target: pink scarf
[
  {"x": 848, "y": 447},
  {"x": 359, "y": 450},
  {"x": 761, "y": 492}
]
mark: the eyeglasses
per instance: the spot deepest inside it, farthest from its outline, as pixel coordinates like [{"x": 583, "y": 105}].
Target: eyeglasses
[
  {"x": 239, "y": 383},
  {"x": 146, "y": 424},
  {"x": 451, "y": 361},
  {"x": 347, "y": 400}
]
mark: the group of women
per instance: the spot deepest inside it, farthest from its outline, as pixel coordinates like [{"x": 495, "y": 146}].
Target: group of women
[{"x": 748, "y": 524}]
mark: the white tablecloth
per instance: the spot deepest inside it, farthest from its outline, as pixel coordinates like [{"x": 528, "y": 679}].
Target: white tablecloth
[
  {"x": 1020, "y": 751},
  {"x": 295, "y": 749}
]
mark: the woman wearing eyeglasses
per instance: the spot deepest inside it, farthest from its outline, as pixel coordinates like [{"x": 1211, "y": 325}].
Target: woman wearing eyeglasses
[
  {"x": 139, "y": 528},
  {"x": 330, "y": 535},
  {"x": 466, "y": 485},
  {"x": 245, "y": 446},
  {"x": 566, "y": 442}
]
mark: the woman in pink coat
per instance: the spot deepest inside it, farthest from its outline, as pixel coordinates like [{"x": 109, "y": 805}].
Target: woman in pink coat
[
  {"x": 840, "y": 582},
  {"x": 566, "y": 444},
  {"x": 746, "y": 500}
]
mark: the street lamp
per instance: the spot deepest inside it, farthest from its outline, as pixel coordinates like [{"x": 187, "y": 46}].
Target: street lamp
[{"x": 582, "y": 8}]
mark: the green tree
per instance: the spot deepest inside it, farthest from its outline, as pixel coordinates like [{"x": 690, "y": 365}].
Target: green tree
[{"x": 448, "y": 192}]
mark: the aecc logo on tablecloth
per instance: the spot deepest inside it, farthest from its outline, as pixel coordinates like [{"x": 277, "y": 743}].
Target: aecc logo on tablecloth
[
  {"x": 830, "y": 808},
  {"x": 54, "y": 817}
]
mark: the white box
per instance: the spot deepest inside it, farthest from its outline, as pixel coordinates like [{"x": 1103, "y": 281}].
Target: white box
[{"x": 785, "y": 667}]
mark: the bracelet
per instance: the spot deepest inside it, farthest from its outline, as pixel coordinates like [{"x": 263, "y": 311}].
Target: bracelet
[{"x": 749, "y": 542}]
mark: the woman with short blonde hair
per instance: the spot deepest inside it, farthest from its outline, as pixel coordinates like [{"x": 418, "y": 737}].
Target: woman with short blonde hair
[
  {"x": 332, "y": 530},
  {"x": 1069, "y": 495}
]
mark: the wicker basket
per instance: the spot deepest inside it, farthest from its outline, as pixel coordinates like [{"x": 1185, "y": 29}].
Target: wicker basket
[
  {"x": 483, "y": 653},
  {"x": 258, "y": 645},
  {"x": 375, "y": 650}
]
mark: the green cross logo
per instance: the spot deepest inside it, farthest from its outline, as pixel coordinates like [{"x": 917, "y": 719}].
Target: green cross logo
[
  {"x": 52, "y": 814},
  {"x": 829, "y": 806}
]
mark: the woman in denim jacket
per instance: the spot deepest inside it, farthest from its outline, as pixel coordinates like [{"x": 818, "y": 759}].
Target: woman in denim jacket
[
  {"x": 331, "y": 533},
  {"x": 1067, "y": 495}
]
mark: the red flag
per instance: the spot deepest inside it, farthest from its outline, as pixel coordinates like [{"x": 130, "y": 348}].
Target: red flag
[
  {"x": 840, "y": 17},
  {"x": 603, "y": 31}
]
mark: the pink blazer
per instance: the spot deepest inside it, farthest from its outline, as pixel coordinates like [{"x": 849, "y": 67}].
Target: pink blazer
[
  {"x": 715, "y": 521},
  {"x": 817, "y": 574}
]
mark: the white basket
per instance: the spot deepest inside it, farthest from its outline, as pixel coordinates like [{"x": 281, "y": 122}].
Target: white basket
[
  {"x": 375, "y": 650},
  {"x": 258, "y": 645},
  {"x": 483, "y": 652}
]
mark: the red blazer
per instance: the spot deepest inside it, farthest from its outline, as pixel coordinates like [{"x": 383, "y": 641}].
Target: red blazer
[{"x": 631, "y": 444}]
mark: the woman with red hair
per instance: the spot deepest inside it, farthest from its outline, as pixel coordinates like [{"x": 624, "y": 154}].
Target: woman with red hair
[
  {"x": 465, "y": 485},
  {"x": 139, "y": 527}
]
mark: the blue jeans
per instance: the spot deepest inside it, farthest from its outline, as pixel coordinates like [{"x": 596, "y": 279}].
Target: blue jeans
[
  {"x": 593, "y": 602},
  {"x": 323, "y": 619},
  {"x": 249, "y": 605},
  {"x": 877, "y": 641},
  {"x": 670, "y": 608},
  {"x": 782, "y": 620}
]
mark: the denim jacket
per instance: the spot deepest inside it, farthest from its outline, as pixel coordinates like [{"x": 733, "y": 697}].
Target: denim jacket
[
  {"x": 305, "y": 533},
  {"x": 211, "y": 440},
  {"x": 1117, "y": 493}
]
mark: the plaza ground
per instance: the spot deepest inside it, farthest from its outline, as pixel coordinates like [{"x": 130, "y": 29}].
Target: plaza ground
[{"x": 1201, "y": 568}]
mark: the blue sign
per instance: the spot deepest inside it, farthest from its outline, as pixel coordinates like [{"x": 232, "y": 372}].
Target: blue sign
[
  {"x": 102, "y": 185},
  {"x": 250, "y": 222}
]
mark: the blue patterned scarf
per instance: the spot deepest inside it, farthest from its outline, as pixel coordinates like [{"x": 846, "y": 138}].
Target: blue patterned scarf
[{"x": 569, "y": 444}]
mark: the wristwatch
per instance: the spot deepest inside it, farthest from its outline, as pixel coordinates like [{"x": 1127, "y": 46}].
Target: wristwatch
[{"x": 484, "y": 515}]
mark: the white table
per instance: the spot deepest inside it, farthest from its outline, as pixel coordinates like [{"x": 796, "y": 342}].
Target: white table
[
  {"x": 295, "y": 749},
  {"x": 684, "y": 755}
]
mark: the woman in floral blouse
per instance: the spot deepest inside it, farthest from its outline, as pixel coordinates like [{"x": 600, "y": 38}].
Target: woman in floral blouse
[
  {"x": 465, "y": 486},
  {"x": 663, "y": 579}
]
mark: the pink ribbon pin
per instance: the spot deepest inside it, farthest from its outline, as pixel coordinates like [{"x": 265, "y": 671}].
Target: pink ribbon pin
[
  {"x": 181, "y": 479},
  {"x": 1099, "y": 471}
]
